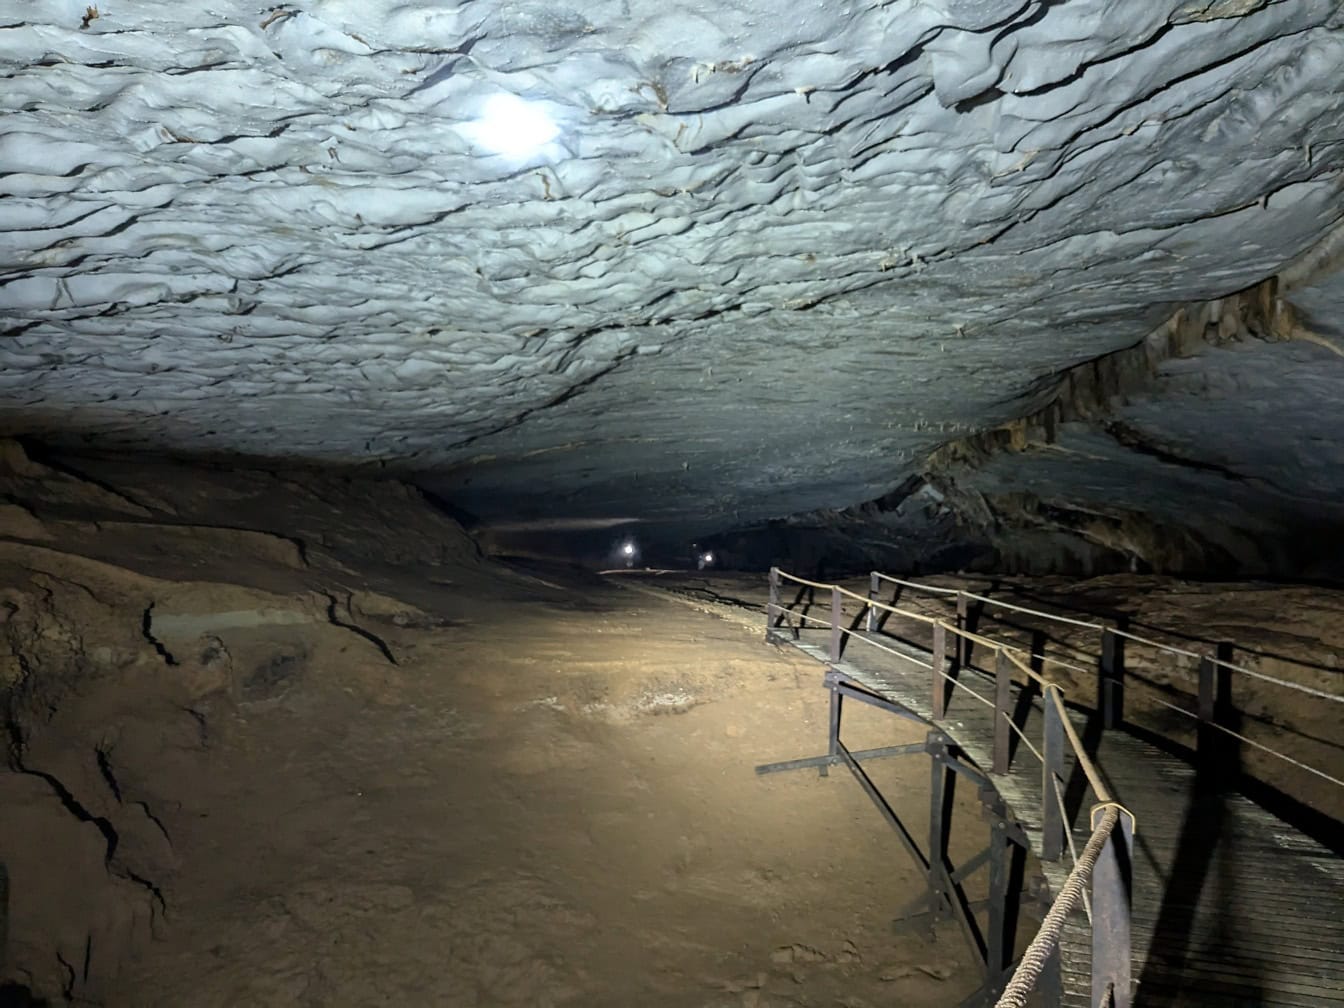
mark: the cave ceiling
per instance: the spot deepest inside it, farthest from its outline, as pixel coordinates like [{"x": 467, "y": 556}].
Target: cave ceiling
[{"x": 716, "y": 263}]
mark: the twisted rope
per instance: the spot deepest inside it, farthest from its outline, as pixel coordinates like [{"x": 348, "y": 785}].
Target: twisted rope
[{"x": 1033, "y": 962}]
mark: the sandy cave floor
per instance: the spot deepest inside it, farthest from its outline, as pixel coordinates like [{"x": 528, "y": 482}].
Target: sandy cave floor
[
  {"x": 354, "y": 763},
  {"x": 278, "y": 739},
  {"x": 555, "y": 806}
]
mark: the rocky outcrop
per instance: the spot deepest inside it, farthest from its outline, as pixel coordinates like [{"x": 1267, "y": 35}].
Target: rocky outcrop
[
  {"x": 1209, "y": 448},
  {"x": 137, "y": 625},
  {"x": 1206, "y": 449}
]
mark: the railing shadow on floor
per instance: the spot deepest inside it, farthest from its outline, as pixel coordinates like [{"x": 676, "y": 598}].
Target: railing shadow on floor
[{"x": 1202, "y": 859}]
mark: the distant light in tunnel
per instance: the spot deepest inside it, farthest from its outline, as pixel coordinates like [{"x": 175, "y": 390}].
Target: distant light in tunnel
[
  {"x": 513, "y": 127},
  {"x": 629, "y": 552}
]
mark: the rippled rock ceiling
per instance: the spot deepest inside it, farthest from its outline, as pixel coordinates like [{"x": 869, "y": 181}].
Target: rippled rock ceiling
[{"x": 775, "y": 254}]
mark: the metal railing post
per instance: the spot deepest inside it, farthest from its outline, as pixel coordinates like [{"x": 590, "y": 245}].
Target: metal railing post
[
  {"x": 1207, "y": 682},
  {"x": 1052, "y": 770},
  {"x": 998, "y": 943},
  {"x": 1215, "y": 687},
  {"x": 939, "y": 659},
  {"x": 963, "y": 653},
  {"x": 835, "y": 623},
  {"x": 1003, "y": 681},
  {"x": 772, "y": 609},
  {"x": 1051, "y": 983},
  {"x": 1111, "y": 887},
  {"x": 1111, "y": 687},
  {"x": 940, "y": 807},
  {"x": 874, "y": 592},
  {"x": 833, "y": 730}
]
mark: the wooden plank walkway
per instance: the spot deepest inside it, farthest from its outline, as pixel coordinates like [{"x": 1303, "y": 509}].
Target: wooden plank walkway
[{"x": 1231, "y": 906}]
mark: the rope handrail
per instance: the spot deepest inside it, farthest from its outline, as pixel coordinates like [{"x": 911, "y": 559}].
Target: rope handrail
[
  {"x": 1086, "y": 624},
  {"x": 969, "y": 635},
  {"x": 1251, "y": 742},
  {"x": 988, "y": 642},
  {"x": 1025, "y": 669},
  {"x": 1080, "y": 754},
  {"x": 989, "y": 601},
  {"x": 1126, "y": 634},
  {"x": 1012, "y": 654},
  {"x": 1056, "y": 696},
  {"x": 1106, "y": 811},
  {"x": 1010, "y": 660},
  {"x": 956, "y": 683},
  {"x": 921, "y": 587},
  {"x": 1068, "y": 835},
  {"x": 1158, "y": 645},
  {"x": 1033, "y": 961},
  {"x": 1311, "y": 691}
]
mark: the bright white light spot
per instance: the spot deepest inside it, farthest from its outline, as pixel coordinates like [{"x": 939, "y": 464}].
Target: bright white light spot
[
  {"x": 628, "y": 549},
  {"x": 708, "y": 558},
  {"x": 513, "y": 127}
]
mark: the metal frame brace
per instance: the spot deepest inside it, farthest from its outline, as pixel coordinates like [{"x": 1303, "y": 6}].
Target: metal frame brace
[{"x": 945, "y": 897}]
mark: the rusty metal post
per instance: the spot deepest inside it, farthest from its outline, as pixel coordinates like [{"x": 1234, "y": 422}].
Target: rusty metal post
[
  {"x": 1003, "y": 681},
  {"x": 1112, "y": 880},
  {"x": 1037, "y": 658},
  {"x": 939, "y": 660},
  {"x": 1208, "y": 680},
  {"x": 833, "y": 731},
  {"x": 998, "y": 944},
  {"x": 874, "y": 592},
  {"x": 1215, "y": 690},
  {"x": 1052, "y": 770},
  {"x": 835, "y": 623},
  {"x": 940, "y": 814},
  {"x": 772, "y": 614},
  {"x": 1051, "y": 984},
  {"x": 963, "y": 655},
  {"x": 1111, "y": 687}
]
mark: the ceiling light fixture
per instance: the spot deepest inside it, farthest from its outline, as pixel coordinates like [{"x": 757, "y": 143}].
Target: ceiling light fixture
[{"x": 513, "y": 127}]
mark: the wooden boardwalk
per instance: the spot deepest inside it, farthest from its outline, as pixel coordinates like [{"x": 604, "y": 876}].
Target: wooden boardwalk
[{"x": 1231, "y": 906}]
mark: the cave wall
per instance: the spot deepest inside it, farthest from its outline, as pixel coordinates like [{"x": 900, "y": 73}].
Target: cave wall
[
  {"x": 1213, "y": 447},
  {"x": 146, "y": 610}
]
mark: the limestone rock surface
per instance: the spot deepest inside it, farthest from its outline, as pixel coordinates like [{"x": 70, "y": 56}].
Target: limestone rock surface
[{"x": 773, "y": 254}]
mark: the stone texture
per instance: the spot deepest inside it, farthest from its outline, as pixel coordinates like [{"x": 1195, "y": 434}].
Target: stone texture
[
  {"x": 775, "y": 255},
  {"x": 1210, "y": 448}
]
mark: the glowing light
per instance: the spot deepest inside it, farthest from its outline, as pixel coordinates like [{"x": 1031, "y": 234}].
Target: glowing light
[
  {"x": 628, "y": 549},
  {"x": 708, "y": 558},
  {"x": 513, "y": 127}
]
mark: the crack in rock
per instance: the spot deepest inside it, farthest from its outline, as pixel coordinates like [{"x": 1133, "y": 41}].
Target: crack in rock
[
  {"x": 372, "y": 638},
  {"x": 146, "y": 630},
  {"x": 76, "y": 808}
]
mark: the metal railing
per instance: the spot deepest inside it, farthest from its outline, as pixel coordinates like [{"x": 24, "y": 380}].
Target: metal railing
[
  {"x": 1103, "y": 868},
  {"x": 1105, "y": 860},
  {"x": 1211, "y": 676}
]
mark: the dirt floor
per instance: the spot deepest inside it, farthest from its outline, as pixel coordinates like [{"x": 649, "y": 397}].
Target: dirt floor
[
  {"x": 289, "y": 739},
  {"x": 281, "y": 741}
]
